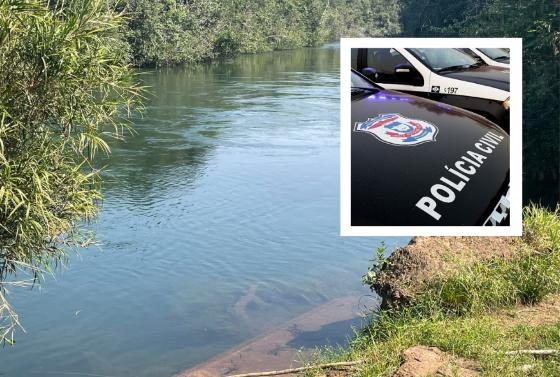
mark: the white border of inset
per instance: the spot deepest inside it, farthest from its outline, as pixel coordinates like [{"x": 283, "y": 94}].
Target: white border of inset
[{"x": 515, "y": 227}]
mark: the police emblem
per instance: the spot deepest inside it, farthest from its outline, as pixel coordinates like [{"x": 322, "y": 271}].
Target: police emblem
[{"x": 396, "y": 129}]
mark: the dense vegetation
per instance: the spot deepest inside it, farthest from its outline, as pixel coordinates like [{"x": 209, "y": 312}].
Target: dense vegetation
[
  {"x": 473, "y": 311},
  {"x": 537, "y": 22},
  {"x": 64, "y": 86},
  {"x": 167, "y": 32}
]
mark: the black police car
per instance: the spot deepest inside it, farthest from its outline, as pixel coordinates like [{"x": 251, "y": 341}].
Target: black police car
[{"x": 417, "y": 162}]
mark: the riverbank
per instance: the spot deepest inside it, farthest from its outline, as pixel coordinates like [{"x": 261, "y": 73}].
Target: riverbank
[
  {"x": 465, "y": 306},
  {"x": 160, "y": 34},
  {"x": 289, "y": 344},
  {"x": 451, "y": 306}
]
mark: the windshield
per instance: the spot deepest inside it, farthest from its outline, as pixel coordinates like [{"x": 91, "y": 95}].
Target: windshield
[
  {"x": 495, "y": 53},
  {"x": 359, "y": 82},
  {"x": 442, "y": 59}
]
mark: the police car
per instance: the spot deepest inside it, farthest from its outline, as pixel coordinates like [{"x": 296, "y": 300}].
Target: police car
[
  {"x": 441, "y": 74},
  {"x": 417, "y": 162},
  {"x": 498, "y": 57}
]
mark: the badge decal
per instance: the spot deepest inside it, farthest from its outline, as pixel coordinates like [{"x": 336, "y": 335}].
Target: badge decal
[
  {"x": 396, "y": 129},
  {"x": 435, "y": 89}
]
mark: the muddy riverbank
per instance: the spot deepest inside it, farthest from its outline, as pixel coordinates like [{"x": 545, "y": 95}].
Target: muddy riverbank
[{"x": 289, "y": 344}]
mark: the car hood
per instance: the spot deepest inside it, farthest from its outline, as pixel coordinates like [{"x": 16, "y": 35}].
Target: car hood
[
  {"x": 388, "y": 180},
  {"x": 495, "y": 77}
]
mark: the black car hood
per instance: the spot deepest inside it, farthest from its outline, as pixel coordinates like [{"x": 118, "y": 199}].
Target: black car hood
[
  {"x": 387, "y": 180},
  {"x": 495, "y": 77}
]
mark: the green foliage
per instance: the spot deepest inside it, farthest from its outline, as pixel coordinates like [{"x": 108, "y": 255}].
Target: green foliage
[
  {"x": 361, "y": 18},
  {"x": 64, "y": 87},
  {"x": 541, "y": 228},
  {"x": 537, "y": 22},
  {"x": 525, "y": 279},
  {"x": 483, "y": 338},
  {"x": 165, "y": 32},
  {"x": 375, "y": 265},
  {"x": 168, "y": 32}
]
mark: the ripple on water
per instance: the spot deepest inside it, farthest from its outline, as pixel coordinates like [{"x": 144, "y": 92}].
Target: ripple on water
[{"x": 220, "y": 220}]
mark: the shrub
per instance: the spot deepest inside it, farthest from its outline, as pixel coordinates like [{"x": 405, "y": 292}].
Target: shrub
[{"x": 64, "y": 87}]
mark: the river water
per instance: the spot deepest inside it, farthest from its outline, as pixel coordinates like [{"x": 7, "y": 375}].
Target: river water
[{"x": 220, "y": 221}]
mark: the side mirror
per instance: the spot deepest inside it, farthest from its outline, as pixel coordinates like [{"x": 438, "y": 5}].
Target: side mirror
[
  {"x": 403, "y": 68},
  {"x": 408, "y": 75},
  {"x": 370, "y": 73}
]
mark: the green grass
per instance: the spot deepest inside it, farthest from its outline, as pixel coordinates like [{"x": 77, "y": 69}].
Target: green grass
[
  {"x": 457, "y": 312},
  {"x": 525, "y": 279}
]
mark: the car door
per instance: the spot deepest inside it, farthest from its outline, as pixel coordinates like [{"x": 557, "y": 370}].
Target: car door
[{"x": 392, "y": 69}]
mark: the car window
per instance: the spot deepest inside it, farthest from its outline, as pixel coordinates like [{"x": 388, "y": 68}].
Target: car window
[
  {"x": 439, "y": 59},
  {"x": 495, "y": 53},
  {"x": 384, "y": 61},
  {"x": 359, "y": 82},
  {"x": 470, "y": 52}
]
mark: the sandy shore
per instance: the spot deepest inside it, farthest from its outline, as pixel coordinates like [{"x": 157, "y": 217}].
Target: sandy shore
[{"x": 283, "y": 346}]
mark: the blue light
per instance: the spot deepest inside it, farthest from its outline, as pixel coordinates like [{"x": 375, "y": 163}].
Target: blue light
[{"x": 382, "y": 97}]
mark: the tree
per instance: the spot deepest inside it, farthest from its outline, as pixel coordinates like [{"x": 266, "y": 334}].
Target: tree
[
  {"x": 65, "y": 87},
  {"x": 537, "y": 22}
]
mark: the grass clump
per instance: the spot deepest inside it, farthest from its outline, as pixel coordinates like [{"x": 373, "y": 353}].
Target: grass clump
[
  {"x": 470, "y": 311},
  {"x": 528, "y": 276}
]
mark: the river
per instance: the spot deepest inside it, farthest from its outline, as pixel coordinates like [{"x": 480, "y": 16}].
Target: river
[{"x": 220, "y": 221}]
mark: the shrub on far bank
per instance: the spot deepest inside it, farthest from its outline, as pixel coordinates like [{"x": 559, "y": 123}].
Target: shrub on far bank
[{"x": 170, "y": 32}]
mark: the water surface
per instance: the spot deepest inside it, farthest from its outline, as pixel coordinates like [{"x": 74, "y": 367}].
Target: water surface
[{"x": 220, "y": 221}]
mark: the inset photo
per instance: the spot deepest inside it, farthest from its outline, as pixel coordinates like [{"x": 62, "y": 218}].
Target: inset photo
[{"x": 431, "y": 136}]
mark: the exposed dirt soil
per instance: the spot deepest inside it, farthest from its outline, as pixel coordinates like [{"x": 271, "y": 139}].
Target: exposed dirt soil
[
  {"x": 336, "y": 373},
  {"x": 420, "y": 361},
  {"x": 409, "y": 267},
  {"x": 546, "y": 312}
]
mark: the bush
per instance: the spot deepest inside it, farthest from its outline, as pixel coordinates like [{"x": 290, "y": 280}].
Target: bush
[
  {"x": 169, "y": 32},
  {"x": 64, "y": 87},
  {"x": 537, "y": 22}
]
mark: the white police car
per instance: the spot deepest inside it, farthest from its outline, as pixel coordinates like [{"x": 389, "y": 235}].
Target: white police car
[
  {"x": 442, "y": 74},
  {"x": 498, "y": 57}
]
